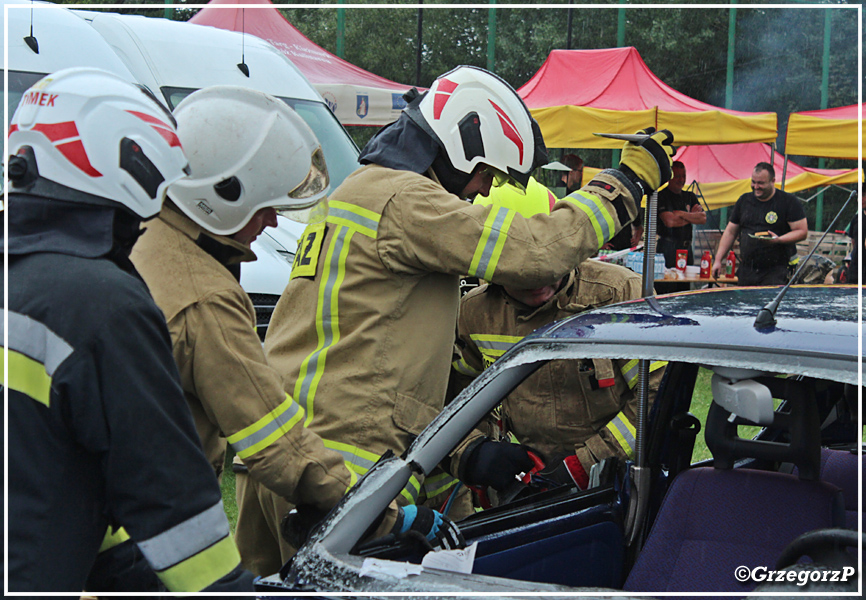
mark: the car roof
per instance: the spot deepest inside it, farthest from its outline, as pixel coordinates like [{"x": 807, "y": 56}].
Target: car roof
[
  {"x": 177, "y": 54},
  {"x": 815, "y": 334}
]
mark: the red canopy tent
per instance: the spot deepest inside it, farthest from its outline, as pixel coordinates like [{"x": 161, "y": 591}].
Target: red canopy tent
[
  {"x": 356, "y": 96},
  {"x": 576, "y": 93},
  {"x": 723, "y": 172}
]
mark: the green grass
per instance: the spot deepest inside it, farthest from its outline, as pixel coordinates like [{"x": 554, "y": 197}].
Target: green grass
[{"x": 701, "y": 400}]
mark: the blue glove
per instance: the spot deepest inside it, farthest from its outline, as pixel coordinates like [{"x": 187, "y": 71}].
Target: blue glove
[{"x": 437, "y": 529}]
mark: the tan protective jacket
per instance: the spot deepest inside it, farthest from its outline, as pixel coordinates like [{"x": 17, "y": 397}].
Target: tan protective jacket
[
  {"x": 363, "y": 333},
  {"x": 566, "y": 407},
  {"x": 230, "y": 387}
]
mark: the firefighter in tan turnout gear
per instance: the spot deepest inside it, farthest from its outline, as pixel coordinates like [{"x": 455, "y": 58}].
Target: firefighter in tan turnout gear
[
  {"x": 363, "y": 333},
  {"x": 575, "y": 413},
  {"x": 252, "y": 157}
]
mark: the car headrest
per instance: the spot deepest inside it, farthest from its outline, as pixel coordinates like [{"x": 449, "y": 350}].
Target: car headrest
[{"x": 748, "y": 399}]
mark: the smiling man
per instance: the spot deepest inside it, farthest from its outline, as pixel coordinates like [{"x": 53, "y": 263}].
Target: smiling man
[{"x": 769, "y": 222}]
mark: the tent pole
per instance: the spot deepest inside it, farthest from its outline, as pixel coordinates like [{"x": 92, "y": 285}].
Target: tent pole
[
  {"x": 569, "y": 25},
  {"x": 419, "y": 46},
  {"x": 341, "y": 29},
  {"x": 825, "y": 94},
  {"x": 784, "y": 171},
  {"x": 620, "y": 25},
  {"x": 491, "y": 37}
]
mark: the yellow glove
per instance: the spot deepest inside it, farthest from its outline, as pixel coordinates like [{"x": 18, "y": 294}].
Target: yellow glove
[{"x": 650, "y": 160}]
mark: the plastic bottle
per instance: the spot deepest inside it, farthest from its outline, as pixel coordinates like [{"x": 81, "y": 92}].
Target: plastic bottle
[
  {"x": 731, "y": 265},
  {"x": 682, "y": 260},
  {"x": 706, "y": 265}
]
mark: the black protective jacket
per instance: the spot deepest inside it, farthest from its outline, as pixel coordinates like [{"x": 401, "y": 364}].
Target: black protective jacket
[{"x": 99, "y": 432}]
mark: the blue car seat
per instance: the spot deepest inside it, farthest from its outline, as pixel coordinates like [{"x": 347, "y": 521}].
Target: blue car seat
[
  {"x": 840, "y": 468},
  {"x": 715, "y": 519}
]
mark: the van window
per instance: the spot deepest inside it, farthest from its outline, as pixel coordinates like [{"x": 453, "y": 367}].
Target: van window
[
  {"x": 341, "y": 153},
  {"x": 19, "y": 82}
]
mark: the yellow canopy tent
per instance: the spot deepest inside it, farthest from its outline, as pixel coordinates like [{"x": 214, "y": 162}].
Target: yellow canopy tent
[
  {"x": 617, "y": 93},
  {"x": 830, "y": 133}
]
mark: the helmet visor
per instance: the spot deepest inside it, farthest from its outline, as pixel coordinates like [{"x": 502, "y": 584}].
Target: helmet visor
[
  {"x": 313, "y": 188},
  {"x": 310, "y": 214},
  {"x": 316, "y": 181},
  {"x": 499, "y": 178}
]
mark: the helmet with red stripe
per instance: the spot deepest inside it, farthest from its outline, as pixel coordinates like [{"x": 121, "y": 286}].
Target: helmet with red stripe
[
  {"x": 93, "y": 132},
  {"x": 477, "y": 118}
]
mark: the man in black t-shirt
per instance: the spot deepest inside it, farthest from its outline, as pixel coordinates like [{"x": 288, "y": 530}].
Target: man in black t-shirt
[
  {"x": 678, "y": 210},
  {"x": 769, "y": 222}
]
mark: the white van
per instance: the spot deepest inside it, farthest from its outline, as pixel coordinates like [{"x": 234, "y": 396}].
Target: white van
[
  {"x": 60, "y": 39},
  {"x": 175, "y": 58},
  {"x": 43, "y": 38}
]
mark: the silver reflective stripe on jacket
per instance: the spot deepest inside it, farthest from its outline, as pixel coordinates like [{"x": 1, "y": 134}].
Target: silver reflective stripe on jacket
[{"x": 35, "y": 353}]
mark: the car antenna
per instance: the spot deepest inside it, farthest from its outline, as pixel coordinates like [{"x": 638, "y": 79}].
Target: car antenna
[
  {"x": 767, "y": 315},
  {"x": 243, "y": 65},
  {"x": 30, "y": 40}
]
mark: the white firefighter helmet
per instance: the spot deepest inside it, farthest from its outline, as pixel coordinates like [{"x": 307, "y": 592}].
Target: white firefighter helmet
[
  {"x": 248, "y": 150},
  {"x": 477, "y": 118},
  {"x": 93, "y": 132}
]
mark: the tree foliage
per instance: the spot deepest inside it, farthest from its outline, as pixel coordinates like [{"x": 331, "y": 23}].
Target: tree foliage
[{"x": 777, "y": 59}]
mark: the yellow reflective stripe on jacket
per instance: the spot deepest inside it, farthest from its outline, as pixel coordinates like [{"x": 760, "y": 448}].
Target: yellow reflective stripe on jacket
[
  {"x": 359, "y": 219},
  {"x": 493, "y": 346},
  {"x": 327, "y": 319},
  {"x": 493, "y": 238},
  {"x": 624, "y": 432},
  {"x": 266, "y": 430},
  {"x": 598, "y": 213},
  {"x": 461, "y": 366},
  {"x": 195, "y": 553},
  {"x": 631, "y": 372},
  {"x": 113, "y": 537},
  {"x": 34, "y": 354},
  {"x": 28, "y": 377},
  {"x": 203, "y": 569},
  {"x": 359, "y": 461},
  {"x": 438, "y": 484}
]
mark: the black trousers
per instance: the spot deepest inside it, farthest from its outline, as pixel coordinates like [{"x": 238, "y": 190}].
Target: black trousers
[{"x": 748, "y": 275}]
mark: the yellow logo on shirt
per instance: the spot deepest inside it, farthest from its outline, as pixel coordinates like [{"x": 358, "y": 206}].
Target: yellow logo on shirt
[{"x": 771, "y": 217}]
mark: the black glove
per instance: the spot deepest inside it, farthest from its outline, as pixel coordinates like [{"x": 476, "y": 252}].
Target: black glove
[
  {"x": 437, "y": 530},
  {"x": 299, "y": 522},
  {"x": 494, "y": 464},
  {"x": 238, "y": 580},
  {"x": 648, "y": 163}
]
